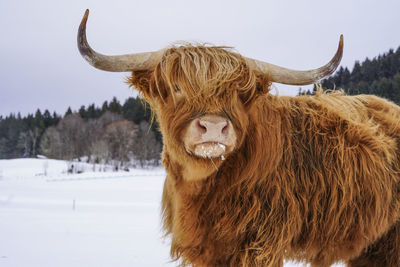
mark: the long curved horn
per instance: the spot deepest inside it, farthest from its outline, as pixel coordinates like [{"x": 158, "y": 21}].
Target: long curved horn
[
  {"x": 296, "y": 77},
  {"x": 121, "y": 63}
]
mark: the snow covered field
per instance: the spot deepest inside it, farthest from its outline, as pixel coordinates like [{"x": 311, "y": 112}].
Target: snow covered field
[{"x": 80, "y": 220}]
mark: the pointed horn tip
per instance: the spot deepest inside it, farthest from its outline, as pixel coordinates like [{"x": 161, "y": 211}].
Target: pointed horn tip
[
  {"x": 85, "y": 17},
  {"x": 83, "y": 46},
  {"x": 82, "y": 26},
  {"x": 341, "y": 43},
  {"x": 331, "y": 67},
  {"x": 339, "y": 54}
]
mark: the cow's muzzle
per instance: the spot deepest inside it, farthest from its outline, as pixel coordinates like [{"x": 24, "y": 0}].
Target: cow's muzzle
[{"x": 210, "y": 136}]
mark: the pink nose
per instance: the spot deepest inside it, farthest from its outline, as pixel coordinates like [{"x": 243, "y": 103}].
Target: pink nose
[{"x": 212, "y": 128}]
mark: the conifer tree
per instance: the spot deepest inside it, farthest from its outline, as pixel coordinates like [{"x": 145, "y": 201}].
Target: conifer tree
[
  {"x": 82, "y": 112},
  {"x": 376, "y": 76},
  {"x": 115, "y": 106},
  {"x": 69, "y": 112},
  {"x": 104, "y": 107}
]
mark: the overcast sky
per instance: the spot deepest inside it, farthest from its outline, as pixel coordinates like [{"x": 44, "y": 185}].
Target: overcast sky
[{"x": 41, "y": 67}]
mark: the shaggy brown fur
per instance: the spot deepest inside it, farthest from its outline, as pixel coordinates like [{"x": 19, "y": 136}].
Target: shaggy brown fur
[{"x": 314, "y": 179}]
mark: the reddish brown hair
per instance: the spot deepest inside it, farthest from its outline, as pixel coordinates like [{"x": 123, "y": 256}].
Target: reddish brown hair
[{"x": 312, "y": 178}]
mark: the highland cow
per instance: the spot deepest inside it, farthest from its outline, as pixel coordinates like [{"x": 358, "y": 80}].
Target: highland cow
[{"x": 254, "y": 178}]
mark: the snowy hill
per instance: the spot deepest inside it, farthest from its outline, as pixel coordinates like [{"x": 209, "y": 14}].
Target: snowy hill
[{"x": 97, "y": 219}]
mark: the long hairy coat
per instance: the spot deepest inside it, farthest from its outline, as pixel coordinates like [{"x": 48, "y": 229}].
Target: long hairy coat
[{"x": 313, "y": 179}]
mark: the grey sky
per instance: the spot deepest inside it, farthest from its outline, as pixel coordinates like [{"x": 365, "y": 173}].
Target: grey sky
[{"x": 42, "y": 68}]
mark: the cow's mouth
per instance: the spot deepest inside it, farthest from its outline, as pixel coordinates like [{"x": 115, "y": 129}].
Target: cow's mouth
[{"x": 210, "y": 150}]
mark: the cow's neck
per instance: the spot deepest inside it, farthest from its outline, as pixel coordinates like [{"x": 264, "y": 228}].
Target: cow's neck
[
  {"x": 189, "y": 170},
  {"x": 197, "y": 172}
]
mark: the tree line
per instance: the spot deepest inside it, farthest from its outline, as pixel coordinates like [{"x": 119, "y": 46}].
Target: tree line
[
  {"x": 119, "y": 133},
  {"x": 378, "y": 76},
  {"x": 115, "y": 134}
]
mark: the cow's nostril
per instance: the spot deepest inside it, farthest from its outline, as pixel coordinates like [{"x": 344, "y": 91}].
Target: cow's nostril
[
  {"x": 225, "y": 129},
  {"x": 212, "y": 127},
  {"x": 201, "y": 126}
]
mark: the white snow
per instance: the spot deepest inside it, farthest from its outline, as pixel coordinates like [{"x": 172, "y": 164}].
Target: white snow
[
  {"x": 80, "y": 220},
  {"x": 210, "y": 150}
]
